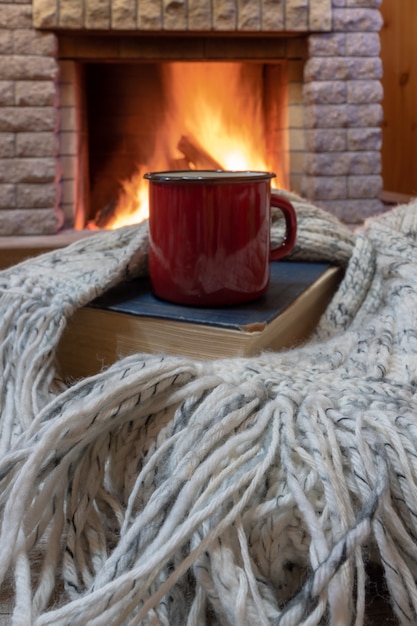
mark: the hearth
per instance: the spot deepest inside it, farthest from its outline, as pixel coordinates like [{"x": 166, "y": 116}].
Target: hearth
[
  {"x": 319, "y": 57},
  {"x": 177, "y": 102},
  {"x": 150, "y": 116}
]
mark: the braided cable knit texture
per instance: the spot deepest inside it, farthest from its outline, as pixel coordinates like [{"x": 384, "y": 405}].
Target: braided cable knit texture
[{"x": 244, "y": 491}]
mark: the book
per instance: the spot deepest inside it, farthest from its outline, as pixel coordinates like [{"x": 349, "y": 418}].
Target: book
[{"x": 128, "y": 319}]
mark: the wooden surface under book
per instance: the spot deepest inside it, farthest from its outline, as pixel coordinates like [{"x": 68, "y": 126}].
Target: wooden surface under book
[{"x": 130, "y": 320}]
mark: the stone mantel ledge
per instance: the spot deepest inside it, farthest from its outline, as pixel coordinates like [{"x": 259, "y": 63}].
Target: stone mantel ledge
[{"x": 194, "y": 15}]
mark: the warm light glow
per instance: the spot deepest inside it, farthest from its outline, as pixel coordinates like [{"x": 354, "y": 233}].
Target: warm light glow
[
  {"x": 132, "y": 206},
  {"x": 219, "y": 105},
  {"x": 214, "y": 121}
]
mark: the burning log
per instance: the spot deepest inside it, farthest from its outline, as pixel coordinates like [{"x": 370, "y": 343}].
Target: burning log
[
  {"x": 194, "y": 157},
  {"x": 106, "y": 215},
  {"x": 195, "y": 154},
  {"x": 179, "y": 164}
]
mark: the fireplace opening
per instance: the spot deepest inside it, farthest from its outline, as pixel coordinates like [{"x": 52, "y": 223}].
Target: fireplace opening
[{"x": 147, "y": 116}]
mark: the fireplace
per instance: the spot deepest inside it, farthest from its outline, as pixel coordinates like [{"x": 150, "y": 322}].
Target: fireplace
[
  {"x": 152, "y": 116},
  {"x": 317, "y": 62},
  {"x": 235, "y": 101}
]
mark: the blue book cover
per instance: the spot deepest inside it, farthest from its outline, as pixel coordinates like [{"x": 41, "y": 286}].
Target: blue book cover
[{"x": 289, "y": 279}]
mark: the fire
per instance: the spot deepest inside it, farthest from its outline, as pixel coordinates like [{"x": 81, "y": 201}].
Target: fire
[
  {"x": 214, "y": 121},
  {"x": 132, "y": 206}
]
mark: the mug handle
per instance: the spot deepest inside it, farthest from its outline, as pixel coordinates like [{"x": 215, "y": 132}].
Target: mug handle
[{"x": 291, "y": 228}]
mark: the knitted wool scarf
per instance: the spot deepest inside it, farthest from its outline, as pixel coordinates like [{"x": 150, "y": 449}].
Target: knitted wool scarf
[{"x": 168, "y": 491}]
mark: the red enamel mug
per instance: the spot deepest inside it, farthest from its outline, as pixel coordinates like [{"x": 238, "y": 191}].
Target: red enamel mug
[{"x": 209, "y": 235}]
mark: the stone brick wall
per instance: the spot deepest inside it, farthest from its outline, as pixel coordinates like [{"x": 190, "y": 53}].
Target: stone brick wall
[
  {"x": 343, "y": 113},
  {"x": 185, "y": 15},
  {"x": 335, "y": 119},
  {"x": 28, "y": 118}
]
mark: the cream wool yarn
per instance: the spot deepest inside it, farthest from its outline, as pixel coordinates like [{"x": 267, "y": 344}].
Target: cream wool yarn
[{"x": 232, "y": 492}]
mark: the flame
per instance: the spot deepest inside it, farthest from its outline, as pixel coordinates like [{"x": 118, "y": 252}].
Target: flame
[
  {"x": 132, "y": 206},
  {"x": 221, "y": 108}
]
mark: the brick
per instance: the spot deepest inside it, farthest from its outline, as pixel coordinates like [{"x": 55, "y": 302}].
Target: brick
[
  {"x": 361, "y": 20},
  {"x": 325, "y": 116},
  {"x": 364, "y": 115},
  {"x": 328, "y": 140},
  {"x": 35, "y": 195},
  {"x": 36, "y": 144},
  {"x": 353, "y": 211},
  {"x": 45, "y": 13},
  {"x": 364, "y": 163},
  {"x": 325, "y": 92},
  {"x": 364, "y": 186},
  {"x": 248, "y": 15},
  {"x": 6, "y": 93},
  {"x": 363, "y": 44},
  {"x": 14, "y": 16},
  {"x": 123, "y": 14},
  {"x": 324, "y": 164},
  {"x": 343, "y": 68},
  {"x": 324, "y": 187},
  {"x": 6, "y": 42},
  {"x": 327, "y": 45},
  {"x": 35, "y": 93},
  {"x": 174, "y": 15},
  {"x": 199, "y": 15},
  {"x": 320, "y": 15},
  {"x": 273, "y": 15},
  {"x": 149, "y": 15},
  {"x": 34, "y": 43},
  {"x": 364, "y": 139},
  {"x": 28, "y": 68},
  {"x": 97, "y": 14},
  {"x": 344, "y": 164},
  {"x": 7, "y": 196},
  {"x": 28, "y": 222},
  {"x": 71, "y": 14},
  {"x": 7, "y": 145},
  {"x": 364, "y": 91},
  {"x": 296, "y": 15},
  {"x": 40, "y": 170},
  {"x": 21, "y": 119},
  {"x": 224, "y": 15}
]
